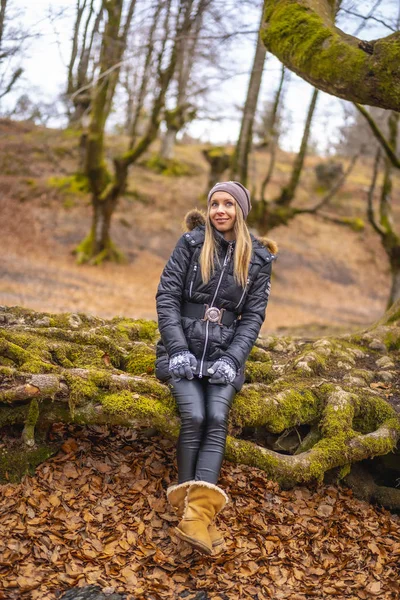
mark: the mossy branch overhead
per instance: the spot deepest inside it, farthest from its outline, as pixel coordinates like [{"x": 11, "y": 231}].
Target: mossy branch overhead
[
  {"x": 83, "y": 369},
  {"x": 303, "y": 35}
]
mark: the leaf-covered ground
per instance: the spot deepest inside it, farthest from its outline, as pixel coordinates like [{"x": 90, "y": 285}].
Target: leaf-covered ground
[{"x": 97, "y": 514}]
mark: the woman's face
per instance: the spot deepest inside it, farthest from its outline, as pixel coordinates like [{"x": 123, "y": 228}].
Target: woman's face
[{"x": 223, "y": 212}]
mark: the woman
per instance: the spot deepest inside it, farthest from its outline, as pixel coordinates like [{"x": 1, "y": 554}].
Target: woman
[{"x": 211, "y": 304}]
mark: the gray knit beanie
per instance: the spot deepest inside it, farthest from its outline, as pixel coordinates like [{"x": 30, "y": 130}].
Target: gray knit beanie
[{"x": 235, "y": 189}]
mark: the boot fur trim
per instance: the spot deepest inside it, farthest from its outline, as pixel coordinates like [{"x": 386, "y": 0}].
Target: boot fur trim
[
  {"x": 211, "y": 486},
  {"x": 171, "y": 488}
]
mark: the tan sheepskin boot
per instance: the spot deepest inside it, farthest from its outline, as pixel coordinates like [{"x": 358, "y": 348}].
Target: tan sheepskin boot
[
  {"x": 176, "y": 495},
  {"x": 202, "y": 504}
]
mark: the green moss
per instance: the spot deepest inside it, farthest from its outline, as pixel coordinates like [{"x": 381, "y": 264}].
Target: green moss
[
  {"x": 306, "y": 41},
  {"x": 7, "y": 371},
  {"x": 72, "y": 185},
  {"x": 140, "y": 360},
  {"x": 247, "y": 453},
  {"x": 261, "y": 372},
  {"x": 27, "y": 351},
  {"x": 168, "y": 167},
  {"x": 258, "y": 405},
  {"x": 260, "y": 355},
  {"x": 86, "y": 252},
  {"x": 216, "y": 152},
  {"x": 394, "y": 317},
  {"x": 28, "y": 434},
  {"x": 337, "y": 419},
  {"x": 373, "y": 412},
  {"x": 368, "y": 376},
  {"x": 17, "y": 462},
  {"x": 80, "y": 389},
  {"x": 355, "y": 223},
  {"x": 71, "y": 133},
  {"x": 143, "y": 408},
  {"x": 136, "y": 329},
  {"x": 11, "y": 415},
  {"x": 392, "y": 339}
]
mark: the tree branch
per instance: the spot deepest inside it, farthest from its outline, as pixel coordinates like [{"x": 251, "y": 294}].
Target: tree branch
[
  {"x": 334, "y": 189},
  {"x": 379, "y": 135},
  {"x": 303, "y": 35},
  {"x": 370, "y": 209}
]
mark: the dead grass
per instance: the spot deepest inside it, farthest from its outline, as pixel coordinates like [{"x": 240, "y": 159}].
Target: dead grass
[{"x": 325, "y": 275}]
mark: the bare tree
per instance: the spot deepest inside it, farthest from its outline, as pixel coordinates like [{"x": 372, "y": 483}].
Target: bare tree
[
  {"x": 89, "y": 14},
  {"x": 106, "y": 187},
  {"x": 184, "y": 111},
  {"x": 11, "y": 43},
  {"x": 240, "y": 159},
  {"x": 384, "y": 223}
]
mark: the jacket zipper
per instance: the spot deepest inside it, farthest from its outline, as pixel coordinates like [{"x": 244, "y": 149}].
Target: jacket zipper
[
  {"x": 244, "y": 291},
  {"x": 226, "y": 259},
  {"x": 193, "y": 278}
]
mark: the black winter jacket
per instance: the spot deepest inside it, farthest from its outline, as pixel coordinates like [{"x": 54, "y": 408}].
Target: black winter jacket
[{"x": 181, "y": 281}]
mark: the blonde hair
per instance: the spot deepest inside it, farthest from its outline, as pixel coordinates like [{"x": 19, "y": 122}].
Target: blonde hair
[{"x": 242, "y": 254}]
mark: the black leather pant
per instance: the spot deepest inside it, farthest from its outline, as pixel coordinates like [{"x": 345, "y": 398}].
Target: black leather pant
[{"x": 204, "y": 409}]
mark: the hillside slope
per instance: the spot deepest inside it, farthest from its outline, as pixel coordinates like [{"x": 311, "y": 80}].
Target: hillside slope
[{"x": 326, "y": 276}]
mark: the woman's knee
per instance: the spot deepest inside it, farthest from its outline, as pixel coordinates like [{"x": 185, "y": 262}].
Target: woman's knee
[
  {"x": 194, "y": 419},
  {"x": 217, "y": 415}
]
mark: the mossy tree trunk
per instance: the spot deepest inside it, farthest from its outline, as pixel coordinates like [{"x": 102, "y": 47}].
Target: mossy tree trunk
[
  {"x": 175, "y": 120},
  {"x": 219, "y": 161},
  {"x": 107, "y": 187},
  {"x": 303, "y": 35},
  {"x": 319, "y": 400}
]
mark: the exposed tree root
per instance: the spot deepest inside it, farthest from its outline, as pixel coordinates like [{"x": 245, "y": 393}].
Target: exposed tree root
[
  {"x": 75, "y": 368},
  {"x": 365, "y": 488}
]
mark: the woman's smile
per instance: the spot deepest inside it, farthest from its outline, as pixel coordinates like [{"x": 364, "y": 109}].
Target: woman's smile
[{"x": 223, "y": 213}]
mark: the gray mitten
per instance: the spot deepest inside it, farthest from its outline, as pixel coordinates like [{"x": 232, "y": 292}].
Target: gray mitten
[
  {"x": 223, "y": 371},
  {"x": 182, "y": 364}
]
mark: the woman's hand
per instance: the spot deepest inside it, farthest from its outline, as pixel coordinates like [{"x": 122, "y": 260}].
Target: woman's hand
[
  {"x": 182, "y": 364},
  {"x": 222, "y": 371}
]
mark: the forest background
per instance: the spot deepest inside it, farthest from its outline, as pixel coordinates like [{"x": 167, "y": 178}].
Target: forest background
[{"x": 116, "y": 118}]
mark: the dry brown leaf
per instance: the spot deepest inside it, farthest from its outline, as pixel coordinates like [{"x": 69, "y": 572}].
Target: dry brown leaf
[{"x": 324, "y": 510}]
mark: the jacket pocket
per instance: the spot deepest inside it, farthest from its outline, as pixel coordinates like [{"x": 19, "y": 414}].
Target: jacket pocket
[
  {"x": 192, "y": 279},
  {"x": 246, "y": 287}
]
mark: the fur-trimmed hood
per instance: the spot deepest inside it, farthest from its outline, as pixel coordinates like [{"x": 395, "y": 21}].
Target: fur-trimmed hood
[{"x": 195, "y": 217}]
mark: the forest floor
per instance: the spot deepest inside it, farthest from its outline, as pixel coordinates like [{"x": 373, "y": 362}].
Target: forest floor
[
  {"x": 327, "y": 277},
  {"x": 96, "y": 514}
]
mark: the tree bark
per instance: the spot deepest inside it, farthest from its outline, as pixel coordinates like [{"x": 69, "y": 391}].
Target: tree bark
[
  {"x": 145, "y": 79},
  {"x": 184, "y": 112},
  {"x": 240, "y": 160},
  {"x": 168, "y": 143},
  {"x": 78, "y": 368},
  {"x": 3, "y": 7},
  {"x": 107, "y": 187},
  {"x": 219, "y": 162},
  {"x": 303, "y": 35},
  {"x": 384, "y": 225},
  {"x": 289, "y": 191}
]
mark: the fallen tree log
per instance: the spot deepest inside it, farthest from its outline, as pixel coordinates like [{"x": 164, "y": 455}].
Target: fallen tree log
[{"x": 337, "y": 395}]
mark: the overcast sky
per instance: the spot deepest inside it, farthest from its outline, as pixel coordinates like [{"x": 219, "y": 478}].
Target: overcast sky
[{"x": 46, "y": 58}]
